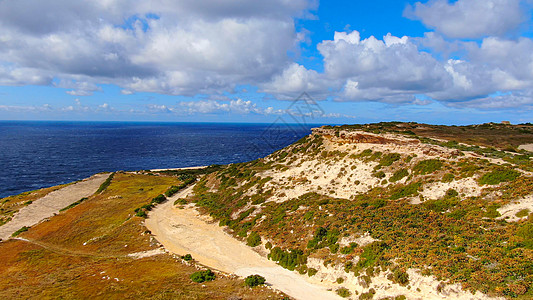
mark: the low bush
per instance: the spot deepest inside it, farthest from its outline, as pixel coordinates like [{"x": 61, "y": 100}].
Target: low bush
[
  {"x": 399, "y": 276},
  {"x": 106, "y": 183},
  {"x": 202, "y": 276},
  {"x": 74, "y": 204},
  {"x": 427, "y": 166},
  {"x": 253, "y": 239},
  {"x": 23, "y": 229},
  {"x": 159, "y": 199},
  {"x": 186, "y": 257},
  {"x": 343, "y": 292},
  {"x": 254, "y": 280},
  {"x": 498, "y": 176},
  {"x": 398, "y": 175},
  {"x": 405, "y": 191}
]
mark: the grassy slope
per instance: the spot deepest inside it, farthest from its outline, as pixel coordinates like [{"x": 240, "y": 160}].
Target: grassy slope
[
  {"x": 452, "y": 238},
  {"x": 56, "y": 264}
]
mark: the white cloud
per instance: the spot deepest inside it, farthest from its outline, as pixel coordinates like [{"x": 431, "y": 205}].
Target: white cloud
[
  {"x": 470, "y": 18},
  {"x": 237, "y": 106},
  {"x": 172, "y": 47},
  {"x": 392, "y": 69},
  {"x": 79, "y": 88}
]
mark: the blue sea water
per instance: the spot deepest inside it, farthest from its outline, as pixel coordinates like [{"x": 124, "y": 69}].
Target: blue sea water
[{"x": 34, "y": 155}]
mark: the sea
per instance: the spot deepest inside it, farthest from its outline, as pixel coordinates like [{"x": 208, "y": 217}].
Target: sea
[{"x": 38, "y": 154}]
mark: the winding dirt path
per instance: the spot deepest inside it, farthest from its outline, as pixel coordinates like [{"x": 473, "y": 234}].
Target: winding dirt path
[
  {"x": 50, "y": 204},
  {"x": 183, "y": 231}
]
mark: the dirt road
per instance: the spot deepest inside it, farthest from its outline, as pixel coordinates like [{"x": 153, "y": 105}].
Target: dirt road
[
  {"x": 50, "y": 204},
  {"x": 184, "y": 231}
]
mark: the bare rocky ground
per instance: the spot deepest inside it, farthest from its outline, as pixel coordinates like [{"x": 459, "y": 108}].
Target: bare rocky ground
[{"x": 50, "y": 204}]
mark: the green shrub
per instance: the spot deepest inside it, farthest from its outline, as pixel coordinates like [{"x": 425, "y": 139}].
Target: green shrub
[
  {"x": 288, "y": 259},
  {"x": 526, "y": 232},
  {"x": 254, "y": 280},
  {"x": 522, "y": 213},
  {"x": 343, "y": 292},
  {"x": 187, "y": 257},
  {"x": 202, "y": 276},
  {"x": 368, "y": 295},
  {"x": 399, "y": 276},
  {"x": 324, "y": 238},
  {"x": 268, "y": 245},
  {"x": 492, "y": 211},
  {"x": 253, "y": 239},
  {"x": 405, "y": 191},
  {"x": 311, "y": 272},
  {"x": 141, "y": 213},
  {"x": 172, "y": 191},
  {"x": 106, "y": 183},
  {"x": 498, "y": 176},
  {"x": 159, "y": 199},
  {"x": 398, "y": 175},
  {"x": 448, "y": 177},
  {"x": 346, "y": 250},
  {"x": 180, "y": 201},
  {"x": 379, "y": 174},
  {"x": 427, "y": 166},
  {"x": 74, "y": 204},
  {"x": 23, "y": 229}
]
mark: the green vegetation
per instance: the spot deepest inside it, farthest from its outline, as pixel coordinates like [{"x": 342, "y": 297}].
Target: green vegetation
[
  {"x": 498, "y": 176},
  {"x": 105, "y": 184},
  {"x": 448, "y": 177},
  {"x": 288, "y": 259},
  {"x": 399, "y": 175},
  {"x": 522, "y": 213},
  {"x": 23, "y": 229},
  {"x": 445, "y": 203},
  {"x": 254, "y": 280},
  {"x": 399, "y": 276},
  {"x": 311, "y": 272},
  {"x": 186, "y": 257},
  {"x": 405, "y": 191},
  {"x": 368, "y": 295},
  {"x": 388, "y": 159},
  {"x": 455, "y": 238},
  {"x": 253, "y": 239},
  {"x": 74, "y": 204},
  {"x": 343, "y": 292},
  {"x": 427, "y": 166},
  {"x": 203, "y": 276},
  {"x": 324, "y": 238}
]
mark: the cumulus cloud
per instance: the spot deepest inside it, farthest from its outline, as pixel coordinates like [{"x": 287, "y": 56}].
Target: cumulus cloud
[
  {"x": 237, "y": 106},
  {"x": 392, "y": 69},
  {"x": 172, "y": 47},
  {"x": 470, "y": 18}
]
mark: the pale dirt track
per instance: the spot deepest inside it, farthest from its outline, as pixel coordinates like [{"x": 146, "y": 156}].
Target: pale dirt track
[
  {"x": 183, "y": 231},
  {"x": 50, "y": 204}
]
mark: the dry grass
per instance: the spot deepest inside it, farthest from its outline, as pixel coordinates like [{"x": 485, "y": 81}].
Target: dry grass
[{"x": 55, "y": 263}]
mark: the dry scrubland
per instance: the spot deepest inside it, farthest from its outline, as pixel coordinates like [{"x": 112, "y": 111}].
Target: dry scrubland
[
  {"x": 86, "y": 252},
  {"x": 380, "y": 211},
  {"x": 389, "y": 210}
]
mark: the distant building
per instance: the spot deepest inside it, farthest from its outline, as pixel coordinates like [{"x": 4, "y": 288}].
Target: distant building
[{"x": 506, "y": 123}]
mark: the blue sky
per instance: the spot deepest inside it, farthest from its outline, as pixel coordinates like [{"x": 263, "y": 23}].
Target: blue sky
[{"x": 438, "y": 61}]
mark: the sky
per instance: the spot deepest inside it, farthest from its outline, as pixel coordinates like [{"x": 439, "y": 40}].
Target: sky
[{"x": 437, "y": 61}]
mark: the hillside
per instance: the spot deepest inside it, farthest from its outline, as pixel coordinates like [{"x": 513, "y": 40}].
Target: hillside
[
  {"x": 386, "y": 212},
  {"x": 376, "y": 211},
  {"x": 98, "y": 248}
]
